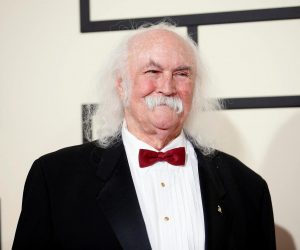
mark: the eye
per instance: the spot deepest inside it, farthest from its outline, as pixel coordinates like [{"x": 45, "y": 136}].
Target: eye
[
  {"x": 152, "y": 71},
  {"x": 182, "y": 73}
]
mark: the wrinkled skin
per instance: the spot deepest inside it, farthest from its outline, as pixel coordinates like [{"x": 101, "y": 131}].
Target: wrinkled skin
[{"x": 159, "y": 63}]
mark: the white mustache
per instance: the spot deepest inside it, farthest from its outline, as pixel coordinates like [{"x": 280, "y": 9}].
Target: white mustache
[{"x": 172, "y": 102}]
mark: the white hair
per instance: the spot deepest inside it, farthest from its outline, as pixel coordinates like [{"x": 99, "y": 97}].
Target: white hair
[{"x": 110, "y": 111}]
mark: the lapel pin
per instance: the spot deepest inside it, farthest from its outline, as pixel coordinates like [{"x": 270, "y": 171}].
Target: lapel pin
[{"x": 219, "y": 209}]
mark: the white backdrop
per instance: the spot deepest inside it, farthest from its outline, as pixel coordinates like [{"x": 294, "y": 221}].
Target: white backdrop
[{"x": 49, "y": 69}]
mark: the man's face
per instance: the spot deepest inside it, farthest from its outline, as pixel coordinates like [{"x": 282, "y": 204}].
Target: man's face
[{"x": 159, "y": 64}]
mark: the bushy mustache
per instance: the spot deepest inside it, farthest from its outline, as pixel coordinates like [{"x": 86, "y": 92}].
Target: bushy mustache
[{"x": 172, "y": 102}]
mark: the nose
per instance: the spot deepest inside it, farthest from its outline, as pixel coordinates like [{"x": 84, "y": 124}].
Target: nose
[{"x": 166, "y": 85}]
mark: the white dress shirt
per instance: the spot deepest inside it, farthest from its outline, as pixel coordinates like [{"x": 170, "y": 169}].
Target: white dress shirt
[{"x": 169, "y": 196}]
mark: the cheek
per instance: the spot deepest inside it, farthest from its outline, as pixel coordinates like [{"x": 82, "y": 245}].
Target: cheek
[
  {"x": 187, "y": 103},
  {"x": 143, "y": 88},
  {"x": 186, "y": 94}
]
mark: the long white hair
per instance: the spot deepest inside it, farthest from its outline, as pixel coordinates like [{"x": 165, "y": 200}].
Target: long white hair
[{"x": 110, "y": 111}]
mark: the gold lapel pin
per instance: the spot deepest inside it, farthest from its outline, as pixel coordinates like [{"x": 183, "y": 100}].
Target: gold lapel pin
[{"x": 219, "y": 209}]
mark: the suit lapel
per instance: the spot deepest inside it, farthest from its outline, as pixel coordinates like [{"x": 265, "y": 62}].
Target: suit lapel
[
  {"x": 217, "y": 216},
  {"x": 118, "y": 199}
]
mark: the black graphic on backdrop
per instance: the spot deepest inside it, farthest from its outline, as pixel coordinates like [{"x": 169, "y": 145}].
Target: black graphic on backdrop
[{"x": 192, "y": 22}]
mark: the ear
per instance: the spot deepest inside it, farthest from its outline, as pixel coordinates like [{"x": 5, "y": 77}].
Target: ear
[{"x": 119, "y": 87}]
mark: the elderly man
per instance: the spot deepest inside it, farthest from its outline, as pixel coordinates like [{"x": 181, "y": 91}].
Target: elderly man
[{"x": 149, "y": 182}]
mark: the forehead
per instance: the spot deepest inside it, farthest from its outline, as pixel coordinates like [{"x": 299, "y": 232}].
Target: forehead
[{"x": 162, "y": 46}]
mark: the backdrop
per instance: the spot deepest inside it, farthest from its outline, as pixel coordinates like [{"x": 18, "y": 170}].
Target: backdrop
[{"x": 51, "y": 56}]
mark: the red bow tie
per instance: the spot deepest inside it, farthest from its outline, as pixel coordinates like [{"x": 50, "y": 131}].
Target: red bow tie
[{"x": 174, "y": 156}]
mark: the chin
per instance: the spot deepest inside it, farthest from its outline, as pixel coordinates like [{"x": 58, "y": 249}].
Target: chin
[
  {"x": 165, "y": 118},
  {"x": 164, "y": 123}
]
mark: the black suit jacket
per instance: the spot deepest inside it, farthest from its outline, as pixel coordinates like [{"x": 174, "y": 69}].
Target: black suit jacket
[{"x": 83, "y": 197}]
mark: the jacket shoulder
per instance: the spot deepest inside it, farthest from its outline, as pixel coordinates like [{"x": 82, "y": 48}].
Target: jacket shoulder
[
  {"x": 71, "y": 157},
  {"x": 229, "y": 167},
  {"x": 72, "y": 151}
]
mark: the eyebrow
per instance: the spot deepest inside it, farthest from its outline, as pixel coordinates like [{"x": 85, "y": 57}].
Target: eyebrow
[
  {"x": 155, "y": 64},
  {"x": 189, "y": 68}
]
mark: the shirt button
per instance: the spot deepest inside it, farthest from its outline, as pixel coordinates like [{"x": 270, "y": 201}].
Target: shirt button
[
  {"x": 162, "y": 184},
  {"x": 166, "y": 218}
]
